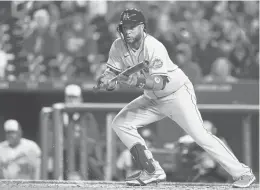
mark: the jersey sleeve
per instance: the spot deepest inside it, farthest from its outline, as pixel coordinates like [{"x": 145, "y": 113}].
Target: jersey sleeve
[
  {"x": 35, "y": 150},
  {"x": 115, "y": 61},
  {"x": 158, "y": 60}
]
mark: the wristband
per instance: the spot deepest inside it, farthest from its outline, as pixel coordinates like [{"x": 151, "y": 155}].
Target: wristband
[{"x": 153, "y": 83}]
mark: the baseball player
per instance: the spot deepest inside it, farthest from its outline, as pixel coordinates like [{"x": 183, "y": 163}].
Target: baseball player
[
  {"x": 168, "y": 92},
  {"x": 20, "y": 158},
  {"x": 74, "y": 95}
]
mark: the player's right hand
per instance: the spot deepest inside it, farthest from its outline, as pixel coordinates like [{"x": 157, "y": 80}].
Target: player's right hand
[{"x": 103, "y": 82}]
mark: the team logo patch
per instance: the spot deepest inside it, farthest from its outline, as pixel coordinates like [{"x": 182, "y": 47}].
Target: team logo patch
[
  {"x": 126, "y": 16},
  {"x": 157, "y": 79},
  {"x": 157, "y": 63}
]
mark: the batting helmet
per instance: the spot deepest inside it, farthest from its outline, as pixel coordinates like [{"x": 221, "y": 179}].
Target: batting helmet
[{"x": 131, "y": 16}]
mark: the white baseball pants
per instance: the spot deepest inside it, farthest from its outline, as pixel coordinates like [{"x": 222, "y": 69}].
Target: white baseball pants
[{"x": 181, "y": 107}]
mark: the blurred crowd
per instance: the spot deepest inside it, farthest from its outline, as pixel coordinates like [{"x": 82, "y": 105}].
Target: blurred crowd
[{"x": 67, "y": 40}]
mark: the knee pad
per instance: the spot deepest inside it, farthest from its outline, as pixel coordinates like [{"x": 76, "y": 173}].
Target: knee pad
[{"x": 142, "y": 160}]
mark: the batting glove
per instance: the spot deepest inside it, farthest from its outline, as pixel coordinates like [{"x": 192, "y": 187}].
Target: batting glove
[{"x": 104, "y": 81}]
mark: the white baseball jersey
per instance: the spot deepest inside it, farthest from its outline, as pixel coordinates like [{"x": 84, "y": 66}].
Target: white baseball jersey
[
  {"x": 19, "y": 162},
  {"x": 155, "y": 53},
  {"x": 177, "y": 101}
]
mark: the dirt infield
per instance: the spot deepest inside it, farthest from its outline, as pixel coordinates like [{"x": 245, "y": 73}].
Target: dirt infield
[{"x": 103, "y": 185}]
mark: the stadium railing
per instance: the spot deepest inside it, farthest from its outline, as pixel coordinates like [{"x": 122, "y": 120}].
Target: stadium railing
[{"x": 55, "y": 113}]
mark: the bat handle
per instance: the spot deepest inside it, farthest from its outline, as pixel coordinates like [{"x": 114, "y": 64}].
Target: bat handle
[
  {"x": 146, "y": 63},
  {"x": 113, "y": 79}
]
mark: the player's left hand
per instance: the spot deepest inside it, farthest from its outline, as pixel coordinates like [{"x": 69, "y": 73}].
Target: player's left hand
[{"x": 130, "y": 81}]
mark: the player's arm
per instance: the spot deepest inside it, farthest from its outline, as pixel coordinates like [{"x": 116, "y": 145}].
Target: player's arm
[
  {"x": 103, "y": 81},
  {"x": 37, "y": 174},
  {"x": 34, "y": 156},
  {"x": 114, "y": 67},
  {"x": 158, "y": 75},
  {"x": 154, "y": 82}
]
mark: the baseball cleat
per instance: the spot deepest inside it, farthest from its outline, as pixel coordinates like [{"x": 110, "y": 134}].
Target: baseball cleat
[
  {"x": 244, "y": 181},
  {"x": 143, "y": 178}
]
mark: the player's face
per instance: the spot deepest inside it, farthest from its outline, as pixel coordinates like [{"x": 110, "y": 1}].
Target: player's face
[
  {"x": 73, "y": 99},
  {"x": 13, "y": 137},
  {"x": 132, "y": 33}
]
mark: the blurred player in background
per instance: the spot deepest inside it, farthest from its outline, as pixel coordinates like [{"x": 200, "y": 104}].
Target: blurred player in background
[
  {"x": 194, "y": 164},
  {"x": 20, "y": 158},
  {"x": 73, "y": 95},
  {"x": 168, "y": 92}
]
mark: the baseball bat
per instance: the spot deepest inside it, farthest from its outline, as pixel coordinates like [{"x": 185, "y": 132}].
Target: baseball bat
[{"x": 129, "y": 71}]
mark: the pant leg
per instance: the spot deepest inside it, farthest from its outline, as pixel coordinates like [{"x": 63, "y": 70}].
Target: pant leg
[
  {"x": 182, "y": 108},
  {"x": 138, "y": 113}
]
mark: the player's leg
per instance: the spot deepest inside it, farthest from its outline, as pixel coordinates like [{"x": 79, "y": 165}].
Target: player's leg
[
  {"x": 181, "y": 107},
  {"x": 138, "y": 113}
]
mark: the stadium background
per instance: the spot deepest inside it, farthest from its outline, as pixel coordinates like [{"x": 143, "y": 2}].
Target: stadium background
[{"x": 26, "y": 86}]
